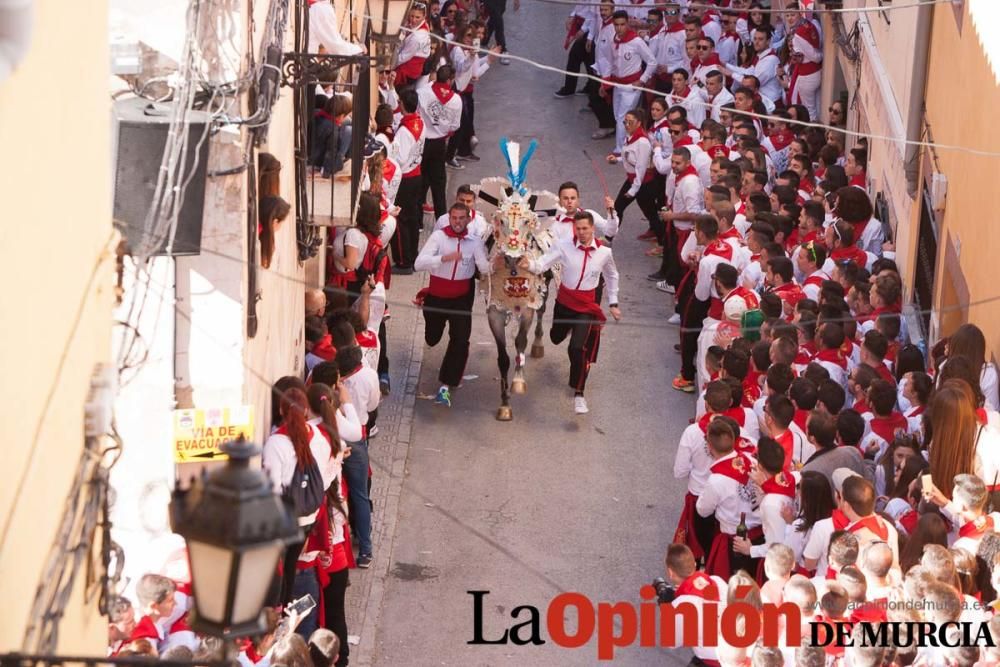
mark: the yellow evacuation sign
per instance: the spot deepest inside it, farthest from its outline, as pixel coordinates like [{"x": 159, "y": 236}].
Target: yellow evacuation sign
[{"x": 199, "y": 433}]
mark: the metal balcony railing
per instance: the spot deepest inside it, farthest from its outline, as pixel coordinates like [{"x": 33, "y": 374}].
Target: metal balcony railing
[{"x": 315, "y": 197}]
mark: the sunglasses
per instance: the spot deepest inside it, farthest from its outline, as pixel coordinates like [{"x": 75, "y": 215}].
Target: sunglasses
[{"x": 672, "y": 12}]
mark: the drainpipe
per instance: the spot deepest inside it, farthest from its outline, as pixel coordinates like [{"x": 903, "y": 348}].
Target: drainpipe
[
  {"x": 15, "y": 34},
  {"x": 828, "y": 76},
  {"x": 915, "y": 108}
]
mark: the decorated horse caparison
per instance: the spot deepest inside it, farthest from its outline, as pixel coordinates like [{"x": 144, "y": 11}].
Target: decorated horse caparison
[{"x": 520, "y": 229}]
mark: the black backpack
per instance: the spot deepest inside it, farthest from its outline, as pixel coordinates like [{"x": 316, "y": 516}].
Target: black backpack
[{"x": 304, "y": 494}]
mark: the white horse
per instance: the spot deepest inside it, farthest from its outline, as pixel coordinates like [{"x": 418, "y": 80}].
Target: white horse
[{"x": 512, "y": 294}]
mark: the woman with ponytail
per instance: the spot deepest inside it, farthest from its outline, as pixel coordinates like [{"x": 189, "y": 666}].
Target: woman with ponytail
[
  {"x": 335, "y": 416},
  {"x": 295, "y": 445}
]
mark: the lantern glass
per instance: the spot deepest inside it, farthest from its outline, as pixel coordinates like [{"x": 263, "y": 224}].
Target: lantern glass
[
  {"x": 387, "y": 16},
  {"x": 256, "y": 570},
  {"x": 211, "y": 567}
]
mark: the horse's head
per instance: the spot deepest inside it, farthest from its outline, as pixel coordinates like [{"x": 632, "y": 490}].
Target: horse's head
[{"x": 514, "y": 224}]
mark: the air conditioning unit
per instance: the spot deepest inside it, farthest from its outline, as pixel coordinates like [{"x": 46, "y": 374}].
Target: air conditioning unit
[{"x": 140, "y": 135}]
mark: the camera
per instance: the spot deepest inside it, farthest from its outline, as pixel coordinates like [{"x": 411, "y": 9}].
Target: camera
[{"x": 665, "y": 592}]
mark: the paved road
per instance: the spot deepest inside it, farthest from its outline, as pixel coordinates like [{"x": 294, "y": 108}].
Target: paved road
[{"x": 550, "y": 502}]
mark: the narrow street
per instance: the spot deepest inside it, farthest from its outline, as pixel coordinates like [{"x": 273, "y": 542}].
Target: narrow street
[{"x": 550, "y": 502}]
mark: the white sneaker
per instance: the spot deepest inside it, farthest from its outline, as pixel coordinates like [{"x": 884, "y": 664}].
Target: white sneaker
[
  {"x": 664, "y": 286},
  {"x": 580, "y": 405},
  {"x": 674, "y": 319}
]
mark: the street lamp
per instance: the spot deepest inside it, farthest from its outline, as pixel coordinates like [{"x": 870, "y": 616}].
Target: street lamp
[
  {"x": 235, "y": 528},
  {"x": 387, "y": 18}
]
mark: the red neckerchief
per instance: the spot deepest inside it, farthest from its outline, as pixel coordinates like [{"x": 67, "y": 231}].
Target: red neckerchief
[
  {"x": 811, "y": 236},
  {"x": 858, "y": 180},
  {"x": 758, "y": 56},
  {"x": 840, "y": 520},
  {"x": 781, "y": 139},
  {"x": 800, "y": 417},
  {"x": 873, "y": 524},
  {"x": 847, "y": 349},
  {"x": 815, "y": 278},
  {"x": 451, "y": 233},
  {"x": 831, "y": 574},
  {"x": 684, "y": 93},
  {"x": 981, "y": 415},
  {"x": 850, "y": 254},
  {"x": 712, "y": 59},
  {"x": 716, "y": 151},
  {"x": 737, "y": 414},
  {"x": 145, "y": 629},
  {"x": 720, "y": 249},
  {"x": 731, "y": 233},
  {"x": 782, "y": 484},
  {"x": 704, "y": 420},
  {"x": 414, "y": 123},
  {"x": 676, "y": 27},
  {"x": 706, "y": 18},
  {"x": 606, "y": 22},
  {"x": 699, "y": 585},
  {"x": 322, "y": 113},
  {"x": 655, "y": 31},
  {"x": 833, "y": 357},
  {"x": 730, "y": 34},
  {"x": 887, "y": 427},
  {"x": 977, "y": 528},
  {"x": 807, "y": 31},
  {"x": 736, "y": 468},
  {"x": 789, "y": 292},
  {"x": 908, "y": 520},
  {"x": 686, "y": 141},
  {"x": 749, "y": 297},
  {"x": 807, "y": 185},
  {"x": 246, "y": 645},
  {"x": 443, "y": 92},
  {"x": 636, "y": 136},
  {"x": 916, "y": 411},
  {"x": 861, "y": 407},
  {"x": 628, "y": 37},
  {"x": 660, "y": 124}
]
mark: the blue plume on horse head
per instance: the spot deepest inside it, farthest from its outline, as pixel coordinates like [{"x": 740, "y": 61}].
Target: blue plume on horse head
[{"x": 517, "y": 173}]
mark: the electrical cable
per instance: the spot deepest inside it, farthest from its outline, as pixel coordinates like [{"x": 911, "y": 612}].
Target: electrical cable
[{"x": 625, "y": 322}]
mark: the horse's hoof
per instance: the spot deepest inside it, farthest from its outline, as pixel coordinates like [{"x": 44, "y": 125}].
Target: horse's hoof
[
  {"x": 519, "y": 386},
  {"x": 537, "y": 351},
  {"x": 504, "y": 413}
]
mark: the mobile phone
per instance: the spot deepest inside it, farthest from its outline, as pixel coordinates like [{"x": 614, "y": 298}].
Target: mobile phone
[
  {"x": 928, "y": 485},
  {"x": 476, "y": 43},
  {"x": 302, "y": 606}
]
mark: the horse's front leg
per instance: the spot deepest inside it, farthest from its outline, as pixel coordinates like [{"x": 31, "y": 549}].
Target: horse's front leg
[
  {"x": 520, "y": 385},
  {"x": 537, "y": 345},
  {"x": 498, "y": 326}
]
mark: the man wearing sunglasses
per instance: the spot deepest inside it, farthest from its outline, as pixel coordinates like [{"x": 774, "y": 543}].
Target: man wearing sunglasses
[
  {"x": 764, "y": 66},
  {"x": 632, "y": 63},
  {"x": 728, "y": 46},
  {"x": 671, "y": 54}
]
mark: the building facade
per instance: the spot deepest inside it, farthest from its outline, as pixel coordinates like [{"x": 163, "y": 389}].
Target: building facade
[
  {"x": 58, "y": 274},
  {"x": 957, "y": 240}
]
